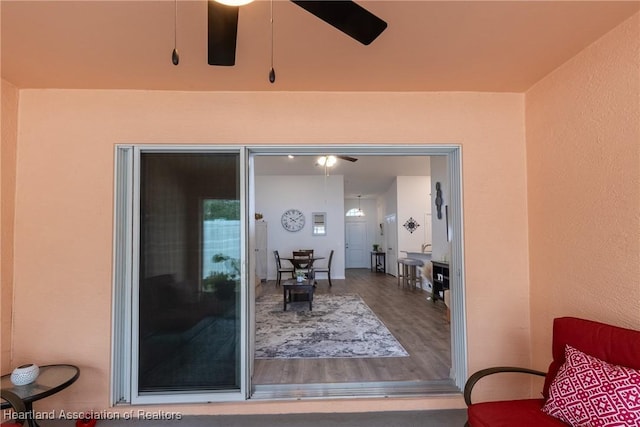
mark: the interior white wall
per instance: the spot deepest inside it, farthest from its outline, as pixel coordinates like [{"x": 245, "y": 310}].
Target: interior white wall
[
  {"x": 440, "y": 173},
  {"x": 413, "y": 194},
  {"x": 309, "y": 193}
]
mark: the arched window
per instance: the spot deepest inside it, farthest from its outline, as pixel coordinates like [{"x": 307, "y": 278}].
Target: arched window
[{"x": 355, "y": 212}]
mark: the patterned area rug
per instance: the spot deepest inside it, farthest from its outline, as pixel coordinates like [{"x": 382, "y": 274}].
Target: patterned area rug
[{"x": 338, "y": 326}]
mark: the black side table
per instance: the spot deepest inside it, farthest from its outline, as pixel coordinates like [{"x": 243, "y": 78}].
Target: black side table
[
  {"x": 379, "y": 262},
  {"x": 52, "y": 379}
]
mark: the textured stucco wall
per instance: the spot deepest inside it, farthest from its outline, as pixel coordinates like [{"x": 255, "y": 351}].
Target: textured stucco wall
[
  {"x": 65, "y": 168},
  {"x": 582, "y": 177},
  {"x": 9, "y": 119},
  {"x": 583, "y": 160}
]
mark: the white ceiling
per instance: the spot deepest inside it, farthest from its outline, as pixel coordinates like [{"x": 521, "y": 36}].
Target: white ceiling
[
  {"x": 503, "y": 46},
  {"x": 369, "y": 176}
]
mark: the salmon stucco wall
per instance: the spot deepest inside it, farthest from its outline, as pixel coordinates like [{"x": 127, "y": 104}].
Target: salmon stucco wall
[
  {"x": 64, "y": 204},
  {"x": 583, "y": 159},
  {"x": 10, "y": 96}
]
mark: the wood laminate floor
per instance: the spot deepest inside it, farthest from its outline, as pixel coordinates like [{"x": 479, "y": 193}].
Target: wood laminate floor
[{"x": 418, "y": 324}]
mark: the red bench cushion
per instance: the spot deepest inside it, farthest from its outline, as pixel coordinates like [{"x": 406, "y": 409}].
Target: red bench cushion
[
  {"x": 510, "y": 413},
  {"x": 615, "y": 345}
]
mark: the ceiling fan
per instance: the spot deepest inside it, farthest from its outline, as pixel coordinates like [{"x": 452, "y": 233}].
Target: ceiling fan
[
  {"x": 329, "y": 161},
  {"x": 348, "y": 158},
  {"x": 345, "y": 15}
]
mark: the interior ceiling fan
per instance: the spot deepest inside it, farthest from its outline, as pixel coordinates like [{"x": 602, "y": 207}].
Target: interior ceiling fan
[
  {"x": 329, "y": 161},
  {"x": 348, "y": 158},
  {"x": 345, "y": 15}
]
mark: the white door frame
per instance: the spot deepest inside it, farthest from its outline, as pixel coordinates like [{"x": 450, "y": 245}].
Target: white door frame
[
  {"x": 124, "y": 383},
  {"x": 391, "y": 243},
  {"x": 124, "y": 206},
  {"x": 453, "y": 152}
]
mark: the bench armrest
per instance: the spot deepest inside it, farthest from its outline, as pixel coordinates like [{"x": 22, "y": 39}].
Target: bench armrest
[{"x": 473, "y": 379}]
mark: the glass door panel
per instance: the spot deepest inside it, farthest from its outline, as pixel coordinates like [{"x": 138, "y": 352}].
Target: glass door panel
[{"x": 189, "y": 273}]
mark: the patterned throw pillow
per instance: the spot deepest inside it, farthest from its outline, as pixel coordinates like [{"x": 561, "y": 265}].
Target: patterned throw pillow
[{"x": 588, "y": 392}]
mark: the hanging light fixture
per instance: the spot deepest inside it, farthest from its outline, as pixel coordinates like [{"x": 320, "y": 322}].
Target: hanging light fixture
[
  {"x": 356, "y": 212},
  {"x": 360, "y": 211}
]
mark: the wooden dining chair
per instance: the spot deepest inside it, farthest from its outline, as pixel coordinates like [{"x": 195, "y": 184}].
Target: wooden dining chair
[
  {"x": 326, "y": 269},
  {"x": 304, "y": 261},
  {"x": 303, "y": 253},
  {"x": 280, "y": 269}
]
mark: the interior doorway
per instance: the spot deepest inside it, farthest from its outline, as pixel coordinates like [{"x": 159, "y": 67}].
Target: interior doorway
[
  {"x": 240, "y": 311},
  {"x": 454, "y": 378}
]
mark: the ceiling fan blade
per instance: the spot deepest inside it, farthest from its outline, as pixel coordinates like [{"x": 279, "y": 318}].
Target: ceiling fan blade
[
  {"x": 347, "y": 16},
  {"x": 222, "y": 30},
  {"x": 348, "y": 158}
]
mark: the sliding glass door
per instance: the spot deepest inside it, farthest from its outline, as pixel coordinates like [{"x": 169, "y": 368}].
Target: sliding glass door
[
  {"x": 185, "y": 279},
  {"x": 184, "y": 294}
]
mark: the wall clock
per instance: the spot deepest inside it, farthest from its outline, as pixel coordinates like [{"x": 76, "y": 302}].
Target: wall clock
[{"x": 292, "y": 220}]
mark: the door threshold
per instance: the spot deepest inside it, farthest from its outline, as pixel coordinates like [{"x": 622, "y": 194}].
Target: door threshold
[{"x": 354, "y": 389}]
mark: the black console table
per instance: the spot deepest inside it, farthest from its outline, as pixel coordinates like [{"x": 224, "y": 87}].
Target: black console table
[
  {"x": 440, "y": 279},
  {"x": 379, "y": 262}
]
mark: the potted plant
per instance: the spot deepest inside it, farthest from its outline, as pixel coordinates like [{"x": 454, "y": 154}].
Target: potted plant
[
  {"x": 376, "y": 247},
  {"x": 221, "y": 283}
]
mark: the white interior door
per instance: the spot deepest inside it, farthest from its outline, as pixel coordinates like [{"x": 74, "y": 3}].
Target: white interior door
[
  {"x": 391, "y": 243},
  {"x": 355, "y": 245}
]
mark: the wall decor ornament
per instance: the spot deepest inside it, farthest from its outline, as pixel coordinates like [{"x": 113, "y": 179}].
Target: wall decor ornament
[
  {"x": 411, "y": 225},
  {"x": 319, "y": 224},
  {"x": 439, "y": 200}
]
